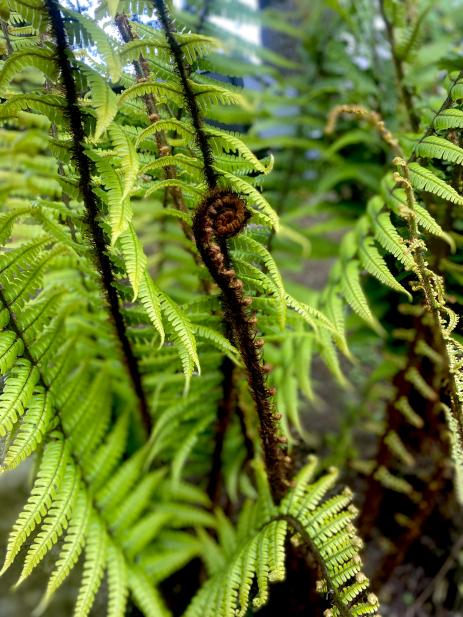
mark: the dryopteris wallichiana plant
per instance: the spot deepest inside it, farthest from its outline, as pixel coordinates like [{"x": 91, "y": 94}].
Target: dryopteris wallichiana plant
[
  {"x": 53, "y": 401},
  {"x": 140, "y": 302}
]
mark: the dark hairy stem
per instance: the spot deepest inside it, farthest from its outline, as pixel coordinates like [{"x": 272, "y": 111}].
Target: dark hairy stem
[
  {"x": 201, "y": 137},
  {"x": 90, "y": 200}
]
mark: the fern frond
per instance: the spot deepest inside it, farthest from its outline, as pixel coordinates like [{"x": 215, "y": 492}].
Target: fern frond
[
  {"x": 94, "y": 565},
  {"x": 374, "y": 263},
  {"x": 134, "y": 257},
  {"x": 449, "y": 119},
  {"x": 258, "y": 557},
  {"x": 104, "y": 101},
  {"x": 117, "y": 582},
  {"x": 439, "y": 148},
  {"x": 55, "y": 522},
  {"x": 71, "y": 550},
  {"x": 84, "y": 30},
  {"x": 386, "y": 233},
  {"x": 36, "y": 57},
  {"x": 125, "y": 150},
  {"x": 354, "y": 295},
  {"x": 49, "y": 478},
  {"x": 423, "y": 179}
]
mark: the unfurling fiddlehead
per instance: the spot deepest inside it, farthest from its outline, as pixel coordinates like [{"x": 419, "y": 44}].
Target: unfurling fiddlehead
[{"x": 220, "y": 216}]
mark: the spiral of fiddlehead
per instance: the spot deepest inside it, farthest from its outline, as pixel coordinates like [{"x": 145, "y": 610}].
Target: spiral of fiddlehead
[{"x": 222, "y": 213}]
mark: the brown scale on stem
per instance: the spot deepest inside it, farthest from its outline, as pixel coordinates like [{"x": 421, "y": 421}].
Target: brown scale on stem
[{"x": 220, "y": 216}]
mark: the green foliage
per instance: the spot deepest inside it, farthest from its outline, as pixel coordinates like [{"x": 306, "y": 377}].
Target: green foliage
[{"x": 122, "y": 370}]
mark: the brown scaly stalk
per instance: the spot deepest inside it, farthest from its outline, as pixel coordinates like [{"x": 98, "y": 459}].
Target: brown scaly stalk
[
  {"x": 221, "y": 215},
  {"x": 92, "y": 207}
]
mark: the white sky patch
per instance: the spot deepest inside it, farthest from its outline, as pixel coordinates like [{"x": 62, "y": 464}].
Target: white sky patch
[{"x": 249, "y": 32}]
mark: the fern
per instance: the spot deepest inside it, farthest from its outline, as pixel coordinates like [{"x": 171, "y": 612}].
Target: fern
[
  {"x": 167, "y": 188},
  {"x": 256, "y": 555}
]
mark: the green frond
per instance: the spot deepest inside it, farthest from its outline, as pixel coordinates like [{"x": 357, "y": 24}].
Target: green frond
[
  {"x": 186, "y": 187},
  {"x": 188, "y": 163},
  {"x": 50, "y": 105},
  {"x": 134, "y": 257},
  {"x": 71, "y": 549},
  {"x": 258, "y": 251},
  {"x": 32, "y": 11},
  {"x": 117, "y": 582},
  {"x": 448, "y": 119},
  {"x": 105, "y": 459},
  {"x": 32, "y": 429},
  {"x": 120, "y": 209},
  {"x": 439, "y": 148},
  {"x": 408, "y": 44},
  {"x": 193, "y": 46},
  {"x": 39, "y": 58},
  {"x": 374, "y": 263},
  {"x": 48, "y": 481},
  {"x": 163, "y": 92},
  {"x": 387, "y": 235},
  {"x": 183, "y": 333},
  {"x": 146, "y": 596},
  {"x": 135, "y": 503},
  {"x": 218, "y": 340},
  {"x": 149, "y": 297},
  {"x": 457, "y": 450},
  {"x": 220, "y": 141},
  {"x": 180, "y": 459},
  {"x": 254, "y": 199},
  {"x": 310, "y": 314},
  {"x": 94, "y": 565},
  {"x": 165, "y": 125},
  {"x": 354, "y": 295},
  {"x": 429, "y": 224},
  {"x": 103, "y": 101},
  {"x": 54, "y": 523},
  {"x": 212, "y": 94},
  {"x": 423, "y": 179},
  {"x": 258, "y": 559},
  {"x": 10, "y": 348},
  {"x": 125, "y": 150},
  {"x": 119, "y": 484},
  {"x": 84, "y": 30}
]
